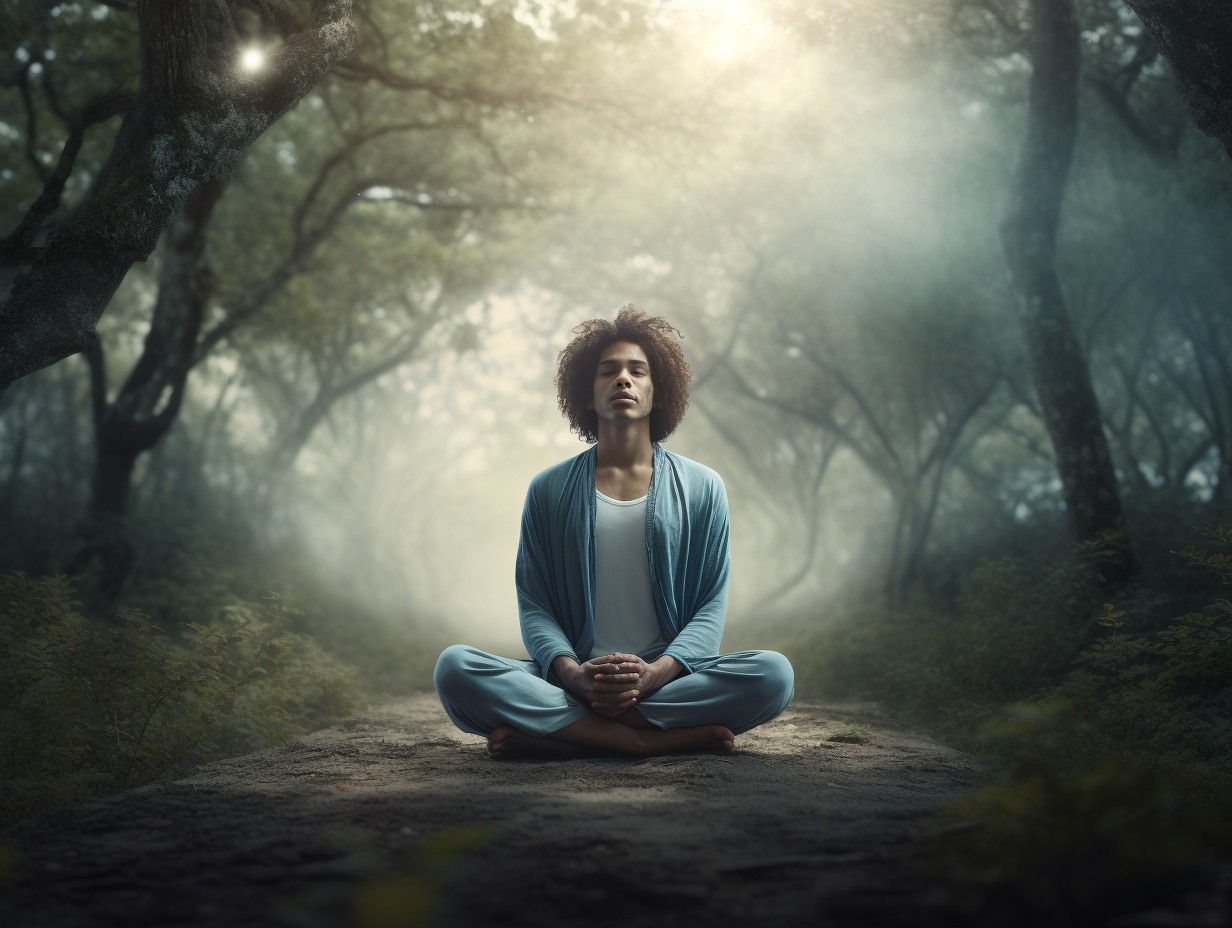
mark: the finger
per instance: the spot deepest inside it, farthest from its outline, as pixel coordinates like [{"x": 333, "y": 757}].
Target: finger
[
  {"x": 607, "y": 679},
  {"x": 609, "y": 684},
  {"x": 609, "y": 695},
  {"x": 616, "y": 694}
]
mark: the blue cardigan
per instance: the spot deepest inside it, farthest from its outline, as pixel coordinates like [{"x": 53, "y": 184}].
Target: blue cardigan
[{"x": 686, "y": 542}]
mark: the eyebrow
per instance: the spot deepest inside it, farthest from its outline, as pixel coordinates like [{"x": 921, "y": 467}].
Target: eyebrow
[{"x": 620, "y": 360}]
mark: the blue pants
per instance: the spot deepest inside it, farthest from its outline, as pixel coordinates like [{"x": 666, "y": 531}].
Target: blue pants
[{"x": 481, "y": 692}]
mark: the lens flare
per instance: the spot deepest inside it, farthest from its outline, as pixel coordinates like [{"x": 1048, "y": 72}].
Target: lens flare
[{"x": 252, "y": 59}]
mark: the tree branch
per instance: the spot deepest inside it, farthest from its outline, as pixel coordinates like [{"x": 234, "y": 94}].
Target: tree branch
[
  {"x": 23, "y": 88},
  {"x": 15, "y": 250},
  {"x": 1117, "y": 100},
  {"x": 336, "y": 158},
  {"x": 291, "y": 265},
  {"x": 187, "y": 124},
  {"x": 1195, "y": 36}
]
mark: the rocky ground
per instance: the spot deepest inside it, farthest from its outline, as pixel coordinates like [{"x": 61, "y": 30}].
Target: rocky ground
[{"x": 395, "y": 818}]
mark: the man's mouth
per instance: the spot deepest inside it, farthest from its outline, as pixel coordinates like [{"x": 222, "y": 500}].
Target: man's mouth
[{"x": 621, "y": 397}]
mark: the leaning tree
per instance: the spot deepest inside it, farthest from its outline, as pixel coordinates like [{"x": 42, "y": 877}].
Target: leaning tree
[
  {"x": 196, "y": 109},
  {"x": 1196, "y": 38}
]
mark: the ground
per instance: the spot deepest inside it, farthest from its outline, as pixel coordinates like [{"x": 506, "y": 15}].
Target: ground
[{"x": 395, "y": 815}]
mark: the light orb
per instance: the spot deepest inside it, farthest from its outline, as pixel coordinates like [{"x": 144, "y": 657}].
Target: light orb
[{"x": 252, "y": 59}]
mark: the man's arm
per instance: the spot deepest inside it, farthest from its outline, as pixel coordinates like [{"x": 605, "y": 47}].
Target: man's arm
[
  {"x": 703, "y": 631},
  {"x": 542, "y": 634}
]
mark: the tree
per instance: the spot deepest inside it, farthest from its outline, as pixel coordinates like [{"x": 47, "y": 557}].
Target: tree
[
  {"x": 428, "y": 141},
  {"x": 905, "y": 389},
  {"x": 1196, "y": 38},
  {"x": 194, "y": 113},
  {"x": 149, "y": 401},
  {"x": 1028, "y": 235}
]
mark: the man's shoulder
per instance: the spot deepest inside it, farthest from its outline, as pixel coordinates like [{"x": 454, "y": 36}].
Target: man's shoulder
[
  {"x": 551, "y": 481},
  {"x": 694, "y": 474}
]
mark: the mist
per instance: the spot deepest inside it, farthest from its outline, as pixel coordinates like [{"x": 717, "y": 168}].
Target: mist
[
  {"x": 952, "y": 278},
  {"x": 807, "y": 164}
]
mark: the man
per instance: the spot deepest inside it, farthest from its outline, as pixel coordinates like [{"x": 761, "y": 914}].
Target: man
[{"x": 622, "y": 579}]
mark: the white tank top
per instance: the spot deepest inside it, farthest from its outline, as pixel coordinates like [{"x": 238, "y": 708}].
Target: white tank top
[{"x": 625, "y": 617}]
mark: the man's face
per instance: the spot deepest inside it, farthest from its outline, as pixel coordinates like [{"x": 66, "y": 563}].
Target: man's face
[{"x": 623, "y": 389}]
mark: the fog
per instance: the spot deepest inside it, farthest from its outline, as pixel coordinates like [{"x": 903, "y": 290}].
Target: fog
[
  {"x": 952, "y": 277},
  {"x": 811, "y": 193}
]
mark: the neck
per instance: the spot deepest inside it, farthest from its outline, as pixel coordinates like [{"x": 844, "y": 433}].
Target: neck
[{"x": 624, "y": 445}]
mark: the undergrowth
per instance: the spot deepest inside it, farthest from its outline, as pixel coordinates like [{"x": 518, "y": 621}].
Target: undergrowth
[
  {"x": 1105, "y": 728},
  {"x": 89, "y": 708}
]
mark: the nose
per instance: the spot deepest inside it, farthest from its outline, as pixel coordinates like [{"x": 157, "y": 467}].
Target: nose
[{"x": 623, "y": 379}]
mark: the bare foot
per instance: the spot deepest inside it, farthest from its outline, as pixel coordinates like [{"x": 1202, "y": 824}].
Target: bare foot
[
  {"x": 704, "y": 739},
  {"x": 508, "y": 743},
  {"x": 593, "y": 733}
]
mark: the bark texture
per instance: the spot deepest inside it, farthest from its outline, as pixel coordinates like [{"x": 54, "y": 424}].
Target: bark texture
[
  {"x": 1195, "y": 36},
  {"x": 1028, "y": 236},
  {"x": 149, "y": 400},
  {"x": 194, "y": 114}
]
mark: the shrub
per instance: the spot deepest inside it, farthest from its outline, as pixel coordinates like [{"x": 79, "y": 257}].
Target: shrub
[
  {"x": 88, "y": 708},
  {"x": 1017, "y": 632},
  {"x": 1045, "y": 847},
  {"x": 1119, "y": 794}
]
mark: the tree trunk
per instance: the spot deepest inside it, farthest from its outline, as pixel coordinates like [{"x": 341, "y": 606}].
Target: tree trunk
[
  {"x": 194, "y": 114},
  {"x": 1196, "y": 38},
  {"x": 1028, "y": 236},
  {"x": 150, "y": 399}
]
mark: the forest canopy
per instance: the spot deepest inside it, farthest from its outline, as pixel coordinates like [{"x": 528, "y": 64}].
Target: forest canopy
[{"x": 952, "y": 277}]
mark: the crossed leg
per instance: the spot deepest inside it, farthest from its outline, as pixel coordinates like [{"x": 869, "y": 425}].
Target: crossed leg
[
  {"x": 624, "y": 735},
  {"x": 523, "y": 715}
]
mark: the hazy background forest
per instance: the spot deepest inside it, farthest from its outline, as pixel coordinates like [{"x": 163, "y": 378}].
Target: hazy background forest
[{"x": 811, "y": 191}]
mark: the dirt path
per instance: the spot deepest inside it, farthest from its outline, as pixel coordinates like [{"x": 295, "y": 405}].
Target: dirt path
[{"x": 331, "y": 831}]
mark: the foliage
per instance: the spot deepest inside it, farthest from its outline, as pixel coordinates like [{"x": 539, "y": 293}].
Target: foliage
[
  {"x": 1020, "y": 627},
  {"x": 89, "y": 708},
  {"x": 1050, "y": 848},
  {"x": 1153, "y": 699},
  {"x": 1106, "y": 727},
  {"x": 1119, "y": 791}
]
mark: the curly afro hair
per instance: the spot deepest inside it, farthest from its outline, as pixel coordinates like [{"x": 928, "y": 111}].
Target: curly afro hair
[{"x": 670, "y": 372}]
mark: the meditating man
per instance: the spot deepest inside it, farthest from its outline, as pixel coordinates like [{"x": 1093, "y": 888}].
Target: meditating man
[{"x": 622, "y": 579}]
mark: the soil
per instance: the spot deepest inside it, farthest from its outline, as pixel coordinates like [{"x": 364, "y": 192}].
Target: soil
[{"x": 395, "y": 818}]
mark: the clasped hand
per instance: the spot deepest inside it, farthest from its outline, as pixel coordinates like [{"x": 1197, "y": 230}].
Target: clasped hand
[{"x": 612, "y": 684}]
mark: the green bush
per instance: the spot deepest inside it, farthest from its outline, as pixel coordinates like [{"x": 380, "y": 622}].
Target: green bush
[
  {"x": 1106, "y": 728},
  {"x": 1046, "y": 847},
  {"x": 1019, "y": 629},
  {"x": 88, "y": 708},
  {"x": 1119, "y": 790}
]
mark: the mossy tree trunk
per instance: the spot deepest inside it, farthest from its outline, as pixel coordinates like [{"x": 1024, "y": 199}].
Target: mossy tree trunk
[
  {"x": 195, "y": 112},
  {"x": 149, "y": 400},
  {"x": 1195, "y": 36},
  {"x": 1028, "y": 236}
]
